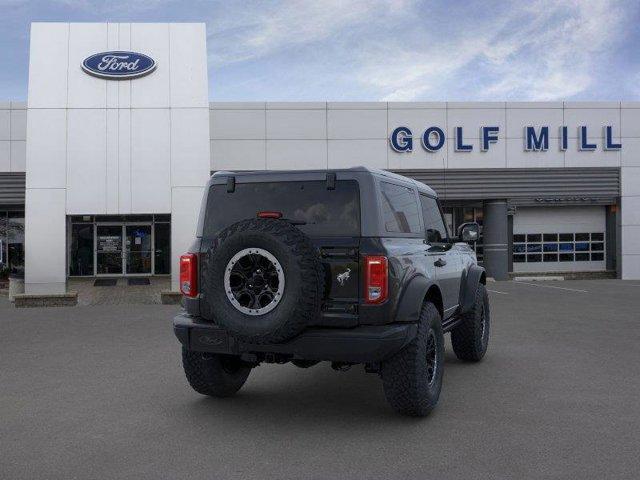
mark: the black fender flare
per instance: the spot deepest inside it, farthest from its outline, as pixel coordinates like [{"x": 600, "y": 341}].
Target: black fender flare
[
  {"x": 468, "y": 286},
  {"x": 413, "y": 295}
]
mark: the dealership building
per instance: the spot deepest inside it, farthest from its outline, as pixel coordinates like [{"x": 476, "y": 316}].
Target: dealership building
[{"x": 102, "y": 169}]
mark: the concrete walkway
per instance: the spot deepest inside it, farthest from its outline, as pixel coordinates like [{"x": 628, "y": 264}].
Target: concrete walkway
[{"x": 121, "y": 293}]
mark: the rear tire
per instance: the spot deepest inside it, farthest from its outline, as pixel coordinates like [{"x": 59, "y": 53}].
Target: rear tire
[
  {"x": 412, "y": 378},
  {"x": 214, "y": 375},
  {"x": 304, "y": 363},
  {"x": 470, "y": 339}
]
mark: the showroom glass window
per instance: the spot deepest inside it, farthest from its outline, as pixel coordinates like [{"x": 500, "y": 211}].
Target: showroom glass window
[
  {"x": 399, "y": 208},
  {"x": 12, "y": 242},
  {"x": 81, "y": 250}
]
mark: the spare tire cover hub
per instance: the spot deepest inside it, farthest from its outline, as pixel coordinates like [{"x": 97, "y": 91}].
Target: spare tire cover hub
[{"x": 254, "y": 281}]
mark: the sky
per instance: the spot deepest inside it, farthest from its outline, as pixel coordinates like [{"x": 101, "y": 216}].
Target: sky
[{"x": 377, "y": 50}]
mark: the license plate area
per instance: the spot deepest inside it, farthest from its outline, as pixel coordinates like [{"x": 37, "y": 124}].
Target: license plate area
[{"x": 209, "y": 340}]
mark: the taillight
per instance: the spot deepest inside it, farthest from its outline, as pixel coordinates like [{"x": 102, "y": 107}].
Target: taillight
[
  {"x": 376, "y": 272},
  {"x": 189, "y": 274}
]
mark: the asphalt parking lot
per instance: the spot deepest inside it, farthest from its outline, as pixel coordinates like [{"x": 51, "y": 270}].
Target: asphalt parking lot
[{"x": 98, "y": 392}]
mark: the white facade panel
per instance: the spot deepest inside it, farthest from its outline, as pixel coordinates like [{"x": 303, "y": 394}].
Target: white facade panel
[
  {"x": 111, "y": 161},
  {"x": 86, "y": 161},
  {"x": 113, "y": 43},
  {"x": 296, "y": 154},
  {"x": 418, "y": 120},
  {"x": 517, "y": 157},
  {"x": 630, "y": 182},
  {"x": 5, "y": 124},
  {"x": 48, "y": 63},
  {"x": 419, "y": 158},
  {"x": 630, "y": 211},
  {"x": 238, "y": 124},
  {"x": 45, "y": 241},
  {"x": 152, "y": 91},
  {"x": 5, "y": 156},
  {"x": 190, "y": 164},
  {"x": 18, "y": 156},
  {"x": 494, "y": 157},
  {"x": 630, "y": 269},
  {"x": 150, "y": 161},
  {"x": 296, "y": 124},
  {"x": 630, "y": 154},
  {"x": 184, "y": 220},
  {"x": 47, "y": 148},
  {"x": 594, "y": 118},
  {"x": 296, "y": 105},
  {"x": 356, "y": 124},
  {"x": 124, "y": 161},
  {"x": 518, "y": 118},
  {"x": 238, "y": 154},
  {"x": 351, "y": 153},
  {"x": 597, "y": 158},
  {"x": 85, "y": 91},
  {"x": 124, "y": 86},
  {"x": 188, "y": 54},
  {"x": 18, "y": 124},
  {"x": 631, "y": 239},
  {"x": 471, "y": 119},
  {"x": 630, "y": 122}
]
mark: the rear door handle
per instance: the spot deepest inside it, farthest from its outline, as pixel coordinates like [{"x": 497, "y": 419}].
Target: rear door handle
[{"x": 441, "y": 262}]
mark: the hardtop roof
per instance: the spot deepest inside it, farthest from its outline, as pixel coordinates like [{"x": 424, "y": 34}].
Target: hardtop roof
[{"x": 373, "y": 171}]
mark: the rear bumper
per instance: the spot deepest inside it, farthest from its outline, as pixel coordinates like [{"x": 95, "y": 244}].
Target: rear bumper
[{"x": 364, "y": 344}]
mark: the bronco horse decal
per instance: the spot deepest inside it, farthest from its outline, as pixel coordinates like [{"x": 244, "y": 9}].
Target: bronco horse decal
[{"x": 343, "y": 277}]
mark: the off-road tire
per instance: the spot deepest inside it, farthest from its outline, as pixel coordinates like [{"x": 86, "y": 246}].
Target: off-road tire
[
  {"x": 214, "y": 375},
  {"x": 301, "y": 300},
  {"x": 470, "y": 338},
  {"x": 405, "y": 374},
  {"x": 304, "y": 363}
]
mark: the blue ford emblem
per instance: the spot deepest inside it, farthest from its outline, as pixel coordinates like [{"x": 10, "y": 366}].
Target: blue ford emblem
[{"x": 118, "y": 65}]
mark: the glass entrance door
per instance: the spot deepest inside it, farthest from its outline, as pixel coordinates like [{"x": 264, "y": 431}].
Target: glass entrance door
[
  {"x": 138, "y": 248},
  {"x": 109, "y": 249}
]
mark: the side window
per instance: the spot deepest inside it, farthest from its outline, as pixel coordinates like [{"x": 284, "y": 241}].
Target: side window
[
  {"x": 399, "y": 209},
  {"x": 435, "y": 231}
]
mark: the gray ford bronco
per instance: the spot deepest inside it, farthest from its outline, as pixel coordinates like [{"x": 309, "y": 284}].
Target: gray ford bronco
[{"x": 348, "y": 266}]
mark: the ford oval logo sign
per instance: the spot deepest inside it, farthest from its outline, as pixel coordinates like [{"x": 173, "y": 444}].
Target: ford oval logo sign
[{"x": 118, "y": 65}]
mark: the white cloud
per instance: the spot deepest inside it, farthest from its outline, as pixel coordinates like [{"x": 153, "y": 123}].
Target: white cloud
[
  {"x": 407, "y": 50},
  {"x": 259, "y": 29},
  {"x": 546, "y": 51}
]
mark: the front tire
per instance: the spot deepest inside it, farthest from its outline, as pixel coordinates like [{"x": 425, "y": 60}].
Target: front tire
[
  {"x": 470, "y": 339},
  {"x": 412, "y": 378},
  {"x": 214, "y": 375}
]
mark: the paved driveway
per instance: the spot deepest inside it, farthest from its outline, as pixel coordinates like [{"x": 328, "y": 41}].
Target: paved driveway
[{"x": 98, "y": 392}]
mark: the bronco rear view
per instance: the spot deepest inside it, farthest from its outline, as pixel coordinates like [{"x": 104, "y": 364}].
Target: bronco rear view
[{"x": 352, "y": 266}]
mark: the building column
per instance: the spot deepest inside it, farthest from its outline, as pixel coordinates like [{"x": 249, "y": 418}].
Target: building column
[
  {"x": 629, "y": 267},
  {"x": 496, "y": 239},
  {"x": 45, "y": 241}
]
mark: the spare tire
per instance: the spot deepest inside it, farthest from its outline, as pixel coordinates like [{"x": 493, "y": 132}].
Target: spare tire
[{"x": 262, "y": 281}]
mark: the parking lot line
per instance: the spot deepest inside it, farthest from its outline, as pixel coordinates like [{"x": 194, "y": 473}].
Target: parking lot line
[
  {"x": 551, "y": 286},
  {"x": 496, "y": 291}
]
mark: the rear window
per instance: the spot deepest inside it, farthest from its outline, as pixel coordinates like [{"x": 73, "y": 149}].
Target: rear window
[{"x": 322, "y": 212}]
